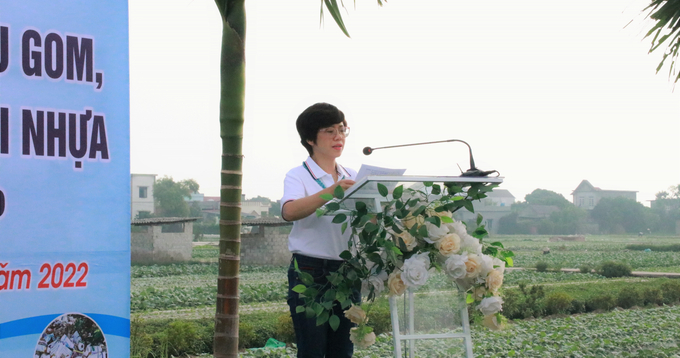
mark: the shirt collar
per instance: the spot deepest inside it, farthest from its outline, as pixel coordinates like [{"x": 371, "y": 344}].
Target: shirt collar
[{"x": 317, "y": 172}]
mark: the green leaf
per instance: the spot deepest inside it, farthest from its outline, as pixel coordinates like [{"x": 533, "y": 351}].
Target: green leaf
[
  {"x": 497, "y": 243},
  {"x": 468, "y": 205},
  {"x": 339, "y": 192},
  {"x": 320, "y": 212},
  {"x": 428, "y": 183},
  {"x": 306, "y": 278},
  {"x": 453, "y": 189},
  {"x": 346, "y": 303},
  {"x": 339, "y": 218},
  {"x": 333, "y": 8},
  {"x": 382, "y": 189},
  {"x": 396, "y": 249},
  {"x": 419, "y": 210},
  {"x": 361, "y": 206},
  {"x": 422, "y": 230},
  {"x": 343, "y": 227},
  {"x": 371, "y": 227},
  {"x": 300, "y": 288},
  {"x": 309, "y": 312},
  {"x": 398, "y": 191},
  {"x": 436, "y": 189},
  {"x": 334, "y": 322},
  {"x": 299, "y": 309},
  {"x": 469, "y": 299},
  {"x": 446, "y": 220},
  {"x": 509, "y": 261},
  {"x": 479, "y": 219},
  {"x": 326, "y": 196},
  {"x": 295, "y": 264},
  {"x": 434, "y": 220},
  {"x": 346, "y": 255},
  {"x": 322, "y": 318},
  {"x": 333, "y": 206}
]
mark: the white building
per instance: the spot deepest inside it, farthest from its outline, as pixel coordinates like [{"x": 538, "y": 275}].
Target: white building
[{"x": 142, "y": 193}]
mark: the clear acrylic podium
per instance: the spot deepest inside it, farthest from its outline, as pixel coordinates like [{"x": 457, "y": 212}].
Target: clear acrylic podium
[{"x": 408, "y": 328}]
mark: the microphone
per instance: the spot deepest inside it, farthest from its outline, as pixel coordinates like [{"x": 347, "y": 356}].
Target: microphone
[{"x": 472, "y": 172}]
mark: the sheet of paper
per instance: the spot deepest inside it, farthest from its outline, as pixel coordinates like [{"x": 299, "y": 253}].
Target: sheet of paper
[{"x": 367, "y": 170}]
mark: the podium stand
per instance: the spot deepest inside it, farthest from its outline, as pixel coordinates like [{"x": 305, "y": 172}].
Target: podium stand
[{"x": 366, "y": 190}]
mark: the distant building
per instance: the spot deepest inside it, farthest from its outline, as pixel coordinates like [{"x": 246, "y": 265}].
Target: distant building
[
  {"x": 492, "y": 208},
  {"x": 254, "y": 209},
  {"x": 142, "y": 194},
  {"x": 587, "y": 196}
]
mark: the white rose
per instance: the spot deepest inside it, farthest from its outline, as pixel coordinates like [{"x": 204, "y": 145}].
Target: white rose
[
  {"x": 470, "y": 244},
  {"x": 473, "y": 265},
  {"x": 494, "y": 281},
  {"x": 490, "y": 305},
  {"x": 499, "y": 265},
  {"x": 435, "y": 233},
  {"x": 455, "y": 266},
  {"x": 366, "y": 341},
  {"x": 356, "y": 315},
  {"x": 487, "y": 265},
  {"x": 396, "y": 284},
  {"x": 457, "y": 227},
  {"x": 448, "y": 245},
  {"x": 375, "y": 281},
  {"x": 415, "y": 270}
]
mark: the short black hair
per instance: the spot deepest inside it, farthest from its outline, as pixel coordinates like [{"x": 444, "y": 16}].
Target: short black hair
[{"x": 315, "y": 117}]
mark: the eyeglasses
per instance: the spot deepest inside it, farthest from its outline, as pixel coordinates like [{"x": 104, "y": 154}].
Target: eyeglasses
[{"x": 332, "y": 132}]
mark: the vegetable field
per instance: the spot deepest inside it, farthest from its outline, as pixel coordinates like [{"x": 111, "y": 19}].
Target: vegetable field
[{"x": 649, "y": 328}]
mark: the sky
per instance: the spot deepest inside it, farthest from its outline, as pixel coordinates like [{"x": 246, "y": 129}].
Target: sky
[{"x": 547, "y": 93}]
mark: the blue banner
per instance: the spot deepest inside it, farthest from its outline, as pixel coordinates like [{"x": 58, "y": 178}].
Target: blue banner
[{"x": 64, "y": 179}]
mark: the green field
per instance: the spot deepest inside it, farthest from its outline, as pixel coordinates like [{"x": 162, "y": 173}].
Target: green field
[{"x": 186, "y": 292}]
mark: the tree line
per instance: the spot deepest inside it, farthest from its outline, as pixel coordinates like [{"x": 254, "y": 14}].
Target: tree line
[{"x": 615, "y": 215}]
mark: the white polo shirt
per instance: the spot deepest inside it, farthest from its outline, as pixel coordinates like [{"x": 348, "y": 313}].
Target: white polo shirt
[{"x": 314, "y": 236}]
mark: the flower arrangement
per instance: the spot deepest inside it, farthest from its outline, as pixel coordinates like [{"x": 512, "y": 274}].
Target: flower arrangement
[{"x": 394, "y": 250}]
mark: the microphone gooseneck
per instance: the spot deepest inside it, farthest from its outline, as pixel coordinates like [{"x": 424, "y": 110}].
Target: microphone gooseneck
[{"x": 473, "y": 171}]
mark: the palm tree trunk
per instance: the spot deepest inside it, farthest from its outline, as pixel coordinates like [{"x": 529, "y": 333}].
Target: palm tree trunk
[{"x": 232, "y": 98}]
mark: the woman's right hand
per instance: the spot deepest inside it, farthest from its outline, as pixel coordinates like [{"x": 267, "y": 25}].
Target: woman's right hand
[{"x": 344, "y": 183}]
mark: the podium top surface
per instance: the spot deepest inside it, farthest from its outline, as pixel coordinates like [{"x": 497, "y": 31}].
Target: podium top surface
[{"x": 367, "y": 185}]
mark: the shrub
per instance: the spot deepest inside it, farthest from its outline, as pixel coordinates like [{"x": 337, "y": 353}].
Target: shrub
[
  {"x": 653, "y": 296},
  {"x": 558, "y": 302},
  {"x": 246, "y": 335},
  {"x": 601, "y": 302},
  {"x": 284, "y": 328},
  {"x": 523, "y": 303},
  {"x": 183, "y": 338},
  {"x": 577, "y": 306},
  {"x": 379, "y": 317},
  {"x": 541, "y": 266},
  {"x": 586, "y": 268},
  {"x": 671, "y": 291},
  {"x": 141, "y": 343},
  {"x": 611, "y": 269},
  {"x": 629, "y": 297}
]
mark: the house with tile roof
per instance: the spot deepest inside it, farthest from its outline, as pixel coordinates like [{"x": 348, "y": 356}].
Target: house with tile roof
[{"x": 587, "y": 196}]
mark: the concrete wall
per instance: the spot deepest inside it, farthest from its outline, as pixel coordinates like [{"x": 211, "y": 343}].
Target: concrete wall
[
  {"x": 268, "y": 246},
  {"x": 155, "y": 246}
]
